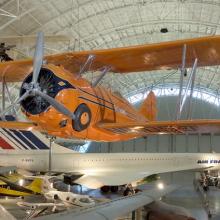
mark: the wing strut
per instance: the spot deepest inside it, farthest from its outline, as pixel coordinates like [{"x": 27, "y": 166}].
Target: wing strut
[
  {"x": 86, "y": 64},
  {"x": 190, "y": 83},
  {"x": 103, "y": 72},
  {"x": 183, "y": 71}
]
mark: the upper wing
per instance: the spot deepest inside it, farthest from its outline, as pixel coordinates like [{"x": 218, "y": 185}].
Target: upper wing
[
  {"x": 165, "y": 127},
  {"x": 157, "y": 56},
  {"x": 117, "y": 207}
]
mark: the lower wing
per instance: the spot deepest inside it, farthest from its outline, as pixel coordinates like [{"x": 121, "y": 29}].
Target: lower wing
[
  {"x": 18, "y": 125},
  {"x": 164, "y": 127}
]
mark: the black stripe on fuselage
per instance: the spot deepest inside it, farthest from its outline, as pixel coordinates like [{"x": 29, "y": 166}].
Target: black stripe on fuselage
[
  {"x": 97, "y": 103},
  {"x": 9, "y": 195},
  {"x": 17, "y": 188},
  {"x": 132, "y": 116},
  {"x": 95, "y": 96}
]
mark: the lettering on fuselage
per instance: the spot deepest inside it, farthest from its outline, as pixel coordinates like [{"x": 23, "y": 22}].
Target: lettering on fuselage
[
  {"x": 208, "y": 161},
  {"x": 27, "y": 160}
]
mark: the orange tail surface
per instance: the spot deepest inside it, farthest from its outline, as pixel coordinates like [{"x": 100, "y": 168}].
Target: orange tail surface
[{"x": 149, "y": 107}]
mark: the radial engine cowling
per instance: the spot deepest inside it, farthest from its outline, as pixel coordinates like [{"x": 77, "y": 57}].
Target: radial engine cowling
[{"x": 49, "y": 84}]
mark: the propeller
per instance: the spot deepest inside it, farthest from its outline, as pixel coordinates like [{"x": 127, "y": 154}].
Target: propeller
[
  {"x": 38, "y": 57},
  {"x": 57, "y": 105},
  {"x": 33, "y": 88}
]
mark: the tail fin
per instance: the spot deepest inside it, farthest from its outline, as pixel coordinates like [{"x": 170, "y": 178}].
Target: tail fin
[
  {"x": 41, "y": 184},
  {"x": 36, "y": 185},
  {"x": 11, "y": 139},
  {"x": 149, "y": 107}
]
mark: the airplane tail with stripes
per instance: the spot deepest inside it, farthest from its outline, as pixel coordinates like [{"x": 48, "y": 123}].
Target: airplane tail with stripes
[{"x": 26, "y": 140}]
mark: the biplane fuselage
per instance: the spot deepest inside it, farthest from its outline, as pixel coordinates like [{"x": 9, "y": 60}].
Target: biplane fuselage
[{"x": 103, "y": 106}]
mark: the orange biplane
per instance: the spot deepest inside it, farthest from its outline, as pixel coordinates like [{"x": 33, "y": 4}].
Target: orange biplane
[{"x": 57, "y": 100}]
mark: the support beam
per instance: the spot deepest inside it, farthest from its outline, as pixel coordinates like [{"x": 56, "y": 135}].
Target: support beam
[
  {"x": 3, "y": 94},
  {"x": 139, "y": 214},
  {"x": 6, "y": 13},
  {"x": 10, "y": 99},
  {"x": 133, "y": 215},
  {"x": 51, "y": 139}
]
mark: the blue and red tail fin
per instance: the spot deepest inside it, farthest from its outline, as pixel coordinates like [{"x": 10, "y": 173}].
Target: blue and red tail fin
[
  {"x": 11, "y": 139},
  {"x": 21, "y": 140}
]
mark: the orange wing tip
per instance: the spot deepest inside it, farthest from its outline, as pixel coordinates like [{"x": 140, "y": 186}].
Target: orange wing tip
[{"x": 27, "y": 126}]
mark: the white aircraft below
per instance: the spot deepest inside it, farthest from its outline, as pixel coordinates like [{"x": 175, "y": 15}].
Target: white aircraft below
[
  {"x": 56, "y": 199},
  {"x": 29, "y": 151},
  {"x": 67, "y": 198},
  {"x": 122, "y": 206}
]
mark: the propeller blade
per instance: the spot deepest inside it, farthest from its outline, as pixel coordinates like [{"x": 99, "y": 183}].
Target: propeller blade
[
  {"x": 38, "y": 57},
  {"x": 58, "y": 106}
]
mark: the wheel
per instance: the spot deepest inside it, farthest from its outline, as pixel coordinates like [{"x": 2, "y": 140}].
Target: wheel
[
  {"x": 114, "y": 189},
  {"x": 137, "y": 190},
  {"x": 105, "y": 189},
  {"x": 127, "y": 192},
  {"x": 205, "y": 188},
  {"x": 83, "y": 118},
  {"x": 55, "y": 197}
]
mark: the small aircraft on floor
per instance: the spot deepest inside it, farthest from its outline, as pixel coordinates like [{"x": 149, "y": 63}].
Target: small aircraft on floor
[
  {"x": 56, "y": 200},
  {"x": 11, "y": 188},
  {"x": 145, "y": 204},
  {"x": 59, "y": 101}
]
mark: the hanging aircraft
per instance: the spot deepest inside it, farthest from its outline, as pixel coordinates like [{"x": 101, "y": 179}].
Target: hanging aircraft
[{"x": 56, "y": 99}]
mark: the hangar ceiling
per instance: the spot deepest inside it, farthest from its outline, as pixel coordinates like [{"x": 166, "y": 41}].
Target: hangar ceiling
[{"x": 95, "y": 24}]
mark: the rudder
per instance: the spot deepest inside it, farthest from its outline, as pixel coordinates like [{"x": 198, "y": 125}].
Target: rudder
[
  {"x": 36, "y": 185},
  {"x": 149, "y": 107}
]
